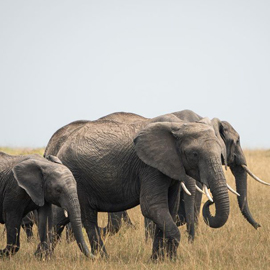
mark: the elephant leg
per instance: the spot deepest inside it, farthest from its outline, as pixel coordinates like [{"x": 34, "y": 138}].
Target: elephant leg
[
  {"x": 150, "y": 228},
  {"x": 59, "y": 223},
  {"x": 181, "y": 216},
  {"x": 174, "y": 199},
  {"x": 166, "y": 239},
  {"x": 197, "y": 206},
  {"x": 13, "y": 225},
  {"x": 45, "y": 231},
  {"x": 127, "y": 219},
  {"x": 69, "y": 233},
  {"x": 161, "y": 205},
  {"x": 189, "y": 208},
  {"x": 28, "y": 223},
  {"x": 114, "y": 223},
  {"x": 28, "y": 228},
  {"x": 89, "y": 220}
]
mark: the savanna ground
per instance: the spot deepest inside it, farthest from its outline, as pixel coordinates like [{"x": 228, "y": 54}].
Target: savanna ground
[{"x": 237, "y": 245}]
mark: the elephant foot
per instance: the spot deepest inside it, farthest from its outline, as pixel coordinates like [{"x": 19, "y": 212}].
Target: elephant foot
[
  {"x": 171, "y": 250},
  {"x": 99, "y": 249},
  {"x": 160, "y": 257},
  {"x": 191, "y": 239},
  {"x": 103, "y": 253},
  {"x": 157, "y": 255},
  {"x": 155, "y": 258},
  {"x": 99, "y": 253},
  {"x": 191, "y": 236},
  {"x": 3, "y": 253},
  {"x": 43, "y": 252},
  {"x": 9, "y": 251}
]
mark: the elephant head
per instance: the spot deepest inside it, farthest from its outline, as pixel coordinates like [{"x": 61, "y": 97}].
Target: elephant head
[
  {"x": 51, "y": 182},
  {"x": 237, "y": 162},
  {"x": 181, "y": 150}
]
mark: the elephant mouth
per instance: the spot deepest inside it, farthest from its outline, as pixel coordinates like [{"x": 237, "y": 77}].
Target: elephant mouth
[{"x": 195, "y": 174}]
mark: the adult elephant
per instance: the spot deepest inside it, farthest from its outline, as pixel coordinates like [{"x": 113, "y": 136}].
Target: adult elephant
[
  {"x": 33, "y": 182},
  {"x": 190, "y": 205},
  {"x": 120, "y": 165},
  {"x": 235, "y": 160}
]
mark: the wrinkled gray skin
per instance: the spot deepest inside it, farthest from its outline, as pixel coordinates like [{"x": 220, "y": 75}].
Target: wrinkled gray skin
[
  {"x": 190, "y": 205},
  {"x": 235, "y": 160},
  {"x": 120, "y": 165},
  {"x": 33, "y": 182}
]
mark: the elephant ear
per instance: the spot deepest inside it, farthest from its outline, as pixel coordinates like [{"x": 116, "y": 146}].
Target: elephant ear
[
  {"x": 155, "y": 145},
  {"x": 29, "y": 176},
  {"x": 54, "y": 159},
  {"x": 217, "y": 125}
]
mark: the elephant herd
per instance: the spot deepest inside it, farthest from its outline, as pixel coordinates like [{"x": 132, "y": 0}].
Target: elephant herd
[{"x": 164, "y": 164}]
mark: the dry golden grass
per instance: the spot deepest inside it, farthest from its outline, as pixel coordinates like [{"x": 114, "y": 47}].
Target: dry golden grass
[{"x": 237, "y": 245}]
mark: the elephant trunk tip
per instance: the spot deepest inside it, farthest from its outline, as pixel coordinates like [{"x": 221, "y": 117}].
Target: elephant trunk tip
[{"x": 214, "y": 221}]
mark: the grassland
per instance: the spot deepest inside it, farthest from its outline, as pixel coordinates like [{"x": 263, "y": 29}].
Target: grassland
[{"x": 237, "y": 245}]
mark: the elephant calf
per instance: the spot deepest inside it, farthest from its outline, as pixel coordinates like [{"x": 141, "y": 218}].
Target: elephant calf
[{"x": 33, "y": 182}]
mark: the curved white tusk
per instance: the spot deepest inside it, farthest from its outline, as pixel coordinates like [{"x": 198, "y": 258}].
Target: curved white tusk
[
  {"x": 232, "y": 190},
  {"x": 185, "y": 188},
  {"x": 200, "y": 190},
  {"x": 65, "y": 213},
  {"x": 254, "y": 176},
  {"x": 207, "y": 193}
]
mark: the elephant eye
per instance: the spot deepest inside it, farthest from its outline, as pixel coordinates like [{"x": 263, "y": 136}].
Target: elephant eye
[
  {"x": 192, "y": 156},
  {"x": 58, "y": 190}
]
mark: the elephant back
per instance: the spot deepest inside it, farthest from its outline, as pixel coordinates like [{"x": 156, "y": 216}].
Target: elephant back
[{"x": 61, "y": 135}]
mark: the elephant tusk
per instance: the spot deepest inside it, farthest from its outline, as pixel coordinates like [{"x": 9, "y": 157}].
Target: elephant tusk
[
  {"x": 200, "y": 190},
  {"x": 66, "y": 213},
  {"x": 185, "y": 188},
  {"x": 254, "y": 176},
  {"x": 232, "y": 190},
  {"x": 207, "y": 193}
]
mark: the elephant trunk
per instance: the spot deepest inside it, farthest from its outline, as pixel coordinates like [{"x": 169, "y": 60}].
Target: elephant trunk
[
  {"x": 74, "y": 214},
  {"x": 220, "y": 194},
  {"x": 189, "y": 208},
  {"x": 241, "y": 186}
]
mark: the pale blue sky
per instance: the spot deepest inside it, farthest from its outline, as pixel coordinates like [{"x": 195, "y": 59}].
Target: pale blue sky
[{"x": 62, "y": 61}]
